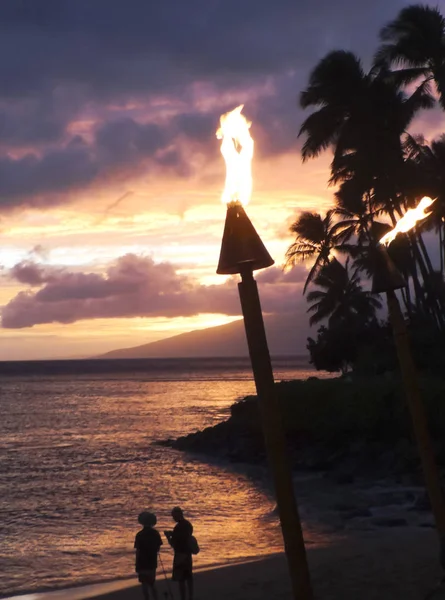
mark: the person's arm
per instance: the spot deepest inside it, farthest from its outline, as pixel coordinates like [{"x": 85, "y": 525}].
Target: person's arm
[
  {"x": 176, "y": 534},
  {"x": 169, "y": 536},
  {"x": 137, "y": 551},
  {"x": 159, "y": 541}
]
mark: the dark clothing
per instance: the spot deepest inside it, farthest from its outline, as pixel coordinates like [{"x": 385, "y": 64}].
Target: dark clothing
[
  {"x": 180, "y": 542},
  {"x": 147, "y": 544},
  {"x": 182, "y": 567},
  {"x": 181, "y": 537},
  {"x": 147, "y": 576}
]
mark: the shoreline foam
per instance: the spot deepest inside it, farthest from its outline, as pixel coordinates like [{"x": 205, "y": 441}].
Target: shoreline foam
[
  {"x": 99, "y": 588},
  {"x": 387, "y": 565}
]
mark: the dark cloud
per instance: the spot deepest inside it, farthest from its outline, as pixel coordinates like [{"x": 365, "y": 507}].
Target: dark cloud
[
  {"x": 133, "y": 287},
  {"x": 111, "y": 45},
  {"x": 40, "y": 179},
  {"x": 28, "y": 177},
  {"x": 60, "y": 59},
  {"x": 31, "y": 273},
  {"x": 31, "y": 122},
  {"x": 125, "y": 141}
]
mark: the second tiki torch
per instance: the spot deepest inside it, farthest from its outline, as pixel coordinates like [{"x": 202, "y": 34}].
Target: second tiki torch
[{"x": 387, "y": 279}]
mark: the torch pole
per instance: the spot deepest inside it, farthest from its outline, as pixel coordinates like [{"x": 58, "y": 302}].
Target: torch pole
[
  {"x": 274, "y": 437},
  {"x": 418, "y": 416}
]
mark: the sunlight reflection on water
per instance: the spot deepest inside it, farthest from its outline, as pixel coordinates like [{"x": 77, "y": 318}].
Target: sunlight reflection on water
[{"x": 78, "y": 465}]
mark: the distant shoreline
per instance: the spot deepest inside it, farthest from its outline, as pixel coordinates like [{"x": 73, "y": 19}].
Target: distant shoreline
[{"x": 104, "y": 365}]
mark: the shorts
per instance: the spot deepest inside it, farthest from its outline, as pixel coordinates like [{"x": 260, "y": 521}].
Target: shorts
[
  {"x": 147, "y": 576},
  {"x": 182, "y": 567}
]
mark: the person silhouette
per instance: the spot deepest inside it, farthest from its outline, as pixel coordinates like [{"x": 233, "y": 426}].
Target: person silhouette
[
  {"x": 147, "y": 544},
  {"x": 179, "y": 540}
]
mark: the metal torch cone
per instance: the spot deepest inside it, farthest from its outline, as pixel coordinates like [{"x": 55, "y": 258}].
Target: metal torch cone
[
  {"x": 386, "y": 275},
  {"x": 242, "y": 252},
  {"x": 241, "y": 245}
]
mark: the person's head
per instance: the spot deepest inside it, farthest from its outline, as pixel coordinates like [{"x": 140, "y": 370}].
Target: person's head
[
  {"x": 147, "y": 519},
  {"x": 177, "y": 514}
]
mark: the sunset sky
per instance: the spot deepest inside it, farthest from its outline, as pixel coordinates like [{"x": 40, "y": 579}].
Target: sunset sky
[{"x": 111, "y": 174}]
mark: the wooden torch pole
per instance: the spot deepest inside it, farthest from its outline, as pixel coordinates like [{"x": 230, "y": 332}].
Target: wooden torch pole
[
  {"x": 418, "y": 416},
  {"x": 274, "y": 437}
]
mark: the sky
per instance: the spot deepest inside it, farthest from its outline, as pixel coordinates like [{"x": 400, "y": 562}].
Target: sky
[{"x": 111, "y": 174}]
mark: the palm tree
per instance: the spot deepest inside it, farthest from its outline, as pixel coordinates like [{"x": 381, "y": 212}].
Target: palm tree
[
  {"x": 362, "y": 118},
  {"x": 415, "y": 41},
  {"x": 314, "y": 238},
  {"x": 341, "y": 300},
  {"x": 428, "y": 177},
  {"x": 354, "y": 211},
  {"x": 351, "y": 103}
]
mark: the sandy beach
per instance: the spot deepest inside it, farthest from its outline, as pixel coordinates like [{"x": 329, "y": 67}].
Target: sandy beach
[{"x": 387, "y": 565}]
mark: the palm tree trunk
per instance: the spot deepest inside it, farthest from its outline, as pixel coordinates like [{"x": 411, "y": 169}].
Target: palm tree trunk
[
  {"x": 441, "y": 249},
  {"x": 430, "y": 308},
  {"x": 443, "y": 246},
  {"x": 407, "y": 297},
  {"x": 418, "y": 292},
  {"x": 425, "y": 253},
  {"x": 440, "y": 308}
]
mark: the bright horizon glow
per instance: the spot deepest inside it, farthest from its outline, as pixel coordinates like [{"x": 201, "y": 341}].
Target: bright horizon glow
[{"x": 169, "y": 219}]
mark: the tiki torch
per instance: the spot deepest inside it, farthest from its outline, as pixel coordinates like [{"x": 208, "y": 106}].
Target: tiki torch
[
  {"x": 243, "y": 252},
  {"x": 388, "y": 279}
]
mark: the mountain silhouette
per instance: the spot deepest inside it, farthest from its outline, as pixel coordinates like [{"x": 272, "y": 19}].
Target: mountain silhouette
[{"x": 286, "y": 335}]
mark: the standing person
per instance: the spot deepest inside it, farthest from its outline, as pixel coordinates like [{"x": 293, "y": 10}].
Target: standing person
[
  {"x": 179, "y": 540},
  {"x": 147, "y": 544}
]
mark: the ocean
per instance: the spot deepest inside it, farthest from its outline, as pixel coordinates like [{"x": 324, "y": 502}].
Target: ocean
[{"x": 78, "y": 463}]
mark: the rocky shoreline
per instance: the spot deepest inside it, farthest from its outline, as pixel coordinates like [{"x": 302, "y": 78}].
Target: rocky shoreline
[
  {"x": 355, "y": 465},
  {"x": 347, "y": 430}
]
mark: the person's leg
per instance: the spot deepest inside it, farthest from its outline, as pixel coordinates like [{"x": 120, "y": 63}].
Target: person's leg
[
  {"x": 190, "y": 587},
  {"x": 154, "y": 591},
  {"x": 145, "y": 591},
  {"x": 182, "y": 589}
]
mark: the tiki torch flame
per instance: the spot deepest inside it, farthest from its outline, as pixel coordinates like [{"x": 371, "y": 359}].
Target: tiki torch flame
[
  {"x": 408, "y": 220},
  {"x": 237, "y": 150}
]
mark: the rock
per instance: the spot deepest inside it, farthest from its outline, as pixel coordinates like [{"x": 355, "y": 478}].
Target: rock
[
  {"x": 344, "y": 473},
  {"x": 407, "y": 455},
  {"x": 344, "y": 506},
  {"x": 357, "y": 513},
  {"x": 422, "y": 503},
  {"x": 389, "y": 522},
  {"x": 344, "y": 478},
  {"x": 392, "y": 498}
]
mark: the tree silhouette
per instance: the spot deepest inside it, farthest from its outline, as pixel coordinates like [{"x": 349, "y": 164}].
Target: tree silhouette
[
  {"x": 341, "y": 299},
  {"x": 415, "y": 41}
]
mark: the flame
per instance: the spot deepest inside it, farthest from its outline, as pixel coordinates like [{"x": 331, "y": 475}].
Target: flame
[
  {"x": 237, "y": 150},
  {"x": 408, "y": 220}
]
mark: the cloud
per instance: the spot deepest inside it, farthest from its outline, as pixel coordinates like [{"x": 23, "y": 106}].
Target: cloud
[
  {"x": 70, "y": 167},
  {"x": 133, "y": 286},
  {"x": 276, "y": 275},
  {"x": 124, "y": 140},
  {"x": 111, "y": 46},
  {"x": 151, "y": 79},
  {"x": 39, "y": 180},
  {"x": 31, "y": 273}
]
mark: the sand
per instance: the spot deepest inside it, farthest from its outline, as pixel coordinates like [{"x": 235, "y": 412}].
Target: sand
[{"x": 391, "y": 564}]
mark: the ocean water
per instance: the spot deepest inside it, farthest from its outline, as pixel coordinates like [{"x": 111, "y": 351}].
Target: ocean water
[{"x": 78, "y": 463}]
